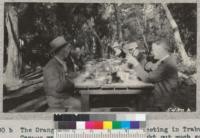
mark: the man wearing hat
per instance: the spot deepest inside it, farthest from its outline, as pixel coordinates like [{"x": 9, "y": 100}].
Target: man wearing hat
[{"x": 57, "y": 84}]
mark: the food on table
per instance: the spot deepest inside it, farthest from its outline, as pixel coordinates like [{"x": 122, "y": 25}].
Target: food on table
[{"x": 106, "y": 71}]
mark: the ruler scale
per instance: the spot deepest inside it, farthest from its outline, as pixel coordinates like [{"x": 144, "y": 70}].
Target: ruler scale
[{"x": 99, "y": 134}]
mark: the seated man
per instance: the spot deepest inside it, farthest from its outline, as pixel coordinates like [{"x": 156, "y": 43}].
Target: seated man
[
  {"x": 164, "y": 75},
  {"x": 58, "y": 87}
]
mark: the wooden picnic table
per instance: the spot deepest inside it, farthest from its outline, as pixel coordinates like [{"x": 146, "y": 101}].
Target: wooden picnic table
[{"x": 133, "y": 87}]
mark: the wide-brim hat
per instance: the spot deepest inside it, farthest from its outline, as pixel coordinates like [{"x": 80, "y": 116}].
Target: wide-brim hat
[{"x": 57, "y": 43}]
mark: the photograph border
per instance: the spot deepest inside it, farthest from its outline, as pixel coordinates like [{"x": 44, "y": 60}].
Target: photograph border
[{"x": 150, "y": 115}]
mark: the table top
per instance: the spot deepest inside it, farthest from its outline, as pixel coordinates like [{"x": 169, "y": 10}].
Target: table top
[
  {"x": 132, "y": 84},
  {"x": 114, "y": 92}
]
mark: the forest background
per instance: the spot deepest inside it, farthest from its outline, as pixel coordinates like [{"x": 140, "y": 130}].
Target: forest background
[{"x": 29, "y": 27}]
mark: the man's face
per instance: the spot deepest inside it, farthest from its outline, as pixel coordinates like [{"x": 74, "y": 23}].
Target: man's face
[
  {"x": 130, "y": 51},
  {"x": 66, "y": 51},
  {"x": 76, "y": 53},
  {"x": 156, "y": 51}
]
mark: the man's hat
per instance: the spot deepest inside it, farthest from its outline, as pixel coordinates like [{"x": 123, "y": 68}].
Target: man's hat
[{"x": 57, "y": 43}]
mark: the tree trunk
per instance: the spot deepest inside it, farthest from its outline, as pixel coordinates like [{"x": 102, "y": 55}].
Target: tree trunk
[
  {"x": 119, "y": 29},
  {"x": 177, "y": 37},
  {"x": 143, "y": 36},
  {"x": 100, "y": 47},
  {"x": 13, "y": 67}
]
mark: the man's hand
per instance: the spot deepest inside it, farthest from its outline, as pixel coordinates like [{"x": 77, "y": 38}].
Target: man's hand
[{"x": 132, "y": 60}]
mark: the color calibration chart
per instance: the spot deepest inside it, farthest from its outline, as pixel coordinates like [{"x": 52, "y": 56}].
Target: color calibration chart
[{"x": 100, "y": 126}]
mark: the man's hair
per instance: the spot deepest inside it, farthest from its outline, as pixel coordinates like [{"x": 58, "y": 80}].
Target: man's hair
[{"x": 165, "y": 44}]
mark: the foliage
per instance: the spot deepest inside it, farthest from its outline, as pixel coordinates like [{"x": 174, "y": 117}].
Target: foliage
[
  {"x": 186, "y": 17},
  {"x": 39, "y": 23},
  {"x": 148, "y": 20}
]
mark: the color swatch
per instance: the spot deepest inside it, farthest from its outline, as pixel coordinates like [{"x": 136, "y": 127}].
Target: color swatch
[
  {"x": 96, "y": 117},
  {"x": 100, "y": 121}
]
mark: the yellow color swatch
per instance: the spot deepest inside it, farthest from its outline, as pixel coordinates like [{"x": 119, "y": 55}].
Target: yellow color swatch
[{"x": 107, "y": 125}]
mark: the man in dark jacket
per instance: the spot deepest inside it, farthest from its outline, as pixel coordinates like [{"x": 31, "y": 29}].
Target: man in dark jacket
[
  {"x": 164, "y": 75},
  {"x": 58, "y": 87}
]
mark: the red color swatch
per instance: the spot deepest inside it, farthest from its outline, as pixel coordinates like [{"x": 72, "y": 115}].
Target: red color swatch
[
  {"x": 94, "y": 125},
  {"x": 98, "y": 125}
]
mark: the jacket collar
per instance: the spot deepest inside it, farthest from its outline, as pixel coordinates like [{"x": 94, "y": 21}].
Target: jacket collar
[{"x": 62, "y": 63}]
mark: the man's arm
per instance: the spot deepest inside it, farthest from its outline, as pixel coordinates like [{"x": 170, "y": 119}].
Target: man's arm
[
  {"x": 55, "y": 83},
  {"x": 154, "y": 76}
]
